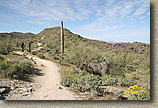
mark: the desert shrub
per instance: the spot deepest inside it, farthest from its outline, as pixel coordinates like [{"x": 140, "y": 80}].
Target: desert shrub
[
  {"x": 67, "y": 77},
  {"x": 116, "y": 63},
  {"x": 66, "y": 81},
  {"x": 4, "y": 66},
  {"x": 118, "y": 93},
  {"x": 16, "y": 71},
  {"x": 126, "y": 82},
  {"x": 2, "y": 58},
  {"x": 137, "y": 92},
  {"x": 34, "y": 52},
  {"x": 27, "y": 67},
  {"x": 41, "y": 55},
  {"x": 90, "y": 83},
  {"x": 107, "y": 80},
  {"x": 86, "y": 83},
  {"x": 5, "y": 48},
  {"x": 57, "y": 57},
  {"x": 81, "y": 55}
]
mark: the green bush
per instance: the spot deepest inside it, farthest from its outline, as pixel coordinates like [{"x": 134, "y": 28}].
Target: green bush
[
  {"x": 66, "y": 81},
  {"x": 90, "y": 83},
  {"x": 2, "y": 58},
  {"x": 118, "y": 93},
  {"x": 5, "y": 48},
  {"x": 34, "y": 52},
  {"x": 67, "y": 77},
  {"x": 126, "y": 82},
  {"x": 16, "y": 71},
  {"x": 41, "y": 55},
  {"x": 87, "y": 83},
  {"x": 107, "y": 80}
]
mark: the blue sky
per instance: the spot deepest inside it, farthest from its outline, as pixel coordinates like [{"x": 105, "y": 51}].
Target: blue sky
[{"x": 106, "y": 20}]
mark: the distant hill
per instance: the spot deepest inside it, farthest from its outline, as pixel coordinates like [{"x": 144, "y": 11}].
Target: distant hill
[{"x": 14, "y": 35}]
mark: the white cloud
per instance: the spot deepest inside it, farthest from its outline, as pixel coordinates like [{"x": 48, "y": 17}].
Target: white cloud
[
  {"x": 115, "y": 14},
  {"x": 77, "y": 10},
  {"x": 107, "y": 15}
]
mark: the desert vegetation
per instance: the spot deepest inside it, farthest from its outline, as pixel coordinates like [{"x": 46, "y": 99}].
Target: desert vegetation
[
  {"x": 89, "y": 66},
  {"x": 15, "y": 67},
  {"x": 112, "y": 64}
]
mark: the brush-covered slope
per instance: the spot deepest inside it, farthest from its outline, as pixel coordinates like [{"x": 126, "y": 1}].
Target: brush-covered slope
[
  {"x": 120, "y": 58},
  {"x": 51, "y": 37}
]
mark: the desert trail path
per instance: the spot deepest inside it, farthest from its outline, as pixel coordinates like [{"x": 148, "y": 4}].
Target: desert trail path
[{"x": 49, "y": 81}]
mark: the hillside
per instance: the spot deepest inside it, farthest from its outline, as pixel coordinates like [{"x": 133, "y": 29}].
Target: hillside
[
  {"x": 88, "y": 64},
  {"x": 122, "y": 64},
  {"x": 81, "y": 52},
  {"x": 52, "y": 38}
]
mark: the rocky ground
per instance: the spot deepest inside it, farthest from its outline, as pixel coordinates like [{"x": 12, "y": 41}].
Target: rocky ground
[{"x": 14, "y": 89}]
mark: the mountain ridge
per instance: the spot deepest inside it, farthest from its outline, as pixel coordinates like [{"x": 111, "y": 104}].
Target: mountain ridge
[
  {"x": 22, "y": 35},
  {"x": 14, "y": 35}
]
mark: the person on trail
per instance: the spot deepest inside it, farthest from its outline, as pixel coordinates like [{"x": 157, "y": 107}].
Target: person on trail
[{"x": 22, "y": 47}]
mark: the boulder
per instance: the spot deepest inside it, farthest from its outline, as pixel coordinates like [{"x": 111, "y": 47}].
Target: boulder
[
  {"x": 96, "y": 67},
  {"x": 2, "y": 90}
]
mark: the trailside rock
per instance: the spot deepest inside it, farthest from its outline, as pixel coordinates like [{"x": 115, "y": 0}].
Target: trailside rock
[{"x": 2, "y": 90}]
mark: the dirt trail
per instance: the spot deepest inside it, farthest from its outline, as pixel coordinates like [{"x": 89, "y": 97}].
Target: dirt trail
[{"x": 49, "y": 81}]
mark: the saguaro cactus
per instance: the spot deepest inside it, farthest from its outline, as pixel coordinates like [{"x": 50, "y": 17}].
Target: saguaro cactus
[
  {"x": 62, "y": 39},
  {"x": 29, "y": 45}
]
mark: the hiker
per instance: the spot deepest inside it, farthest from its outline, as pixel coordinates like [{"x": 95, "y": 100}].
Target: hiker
[{"x": 22, "y": 47}]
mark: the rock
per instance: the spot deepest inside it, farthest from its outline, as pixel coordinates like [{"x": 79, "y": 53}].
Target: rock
[
  {"x": 60, "y": 88},
  {"x": 30, "y": 89},
  {"x": 26, "y": 94},
  {"x": 86, "y": 93},
  {"x": 21, "y": 92},
  {"x": 96, "y": 67},
  {"x": 12, "y": 88},
  {"x": 42, "y": 65},
  {"x": 2, "y": 90},
  {"x": 40, "y": 48},
  {"x": 23, "y": 89},
  {"x": 39, "y": 44}
]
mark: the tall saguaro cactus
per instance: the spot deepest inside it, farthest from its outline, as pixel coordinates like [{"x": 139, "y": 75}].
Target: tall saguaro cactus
[
  {"x": 62, "y": 39},
  {"x": 29, "y": 46}
]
